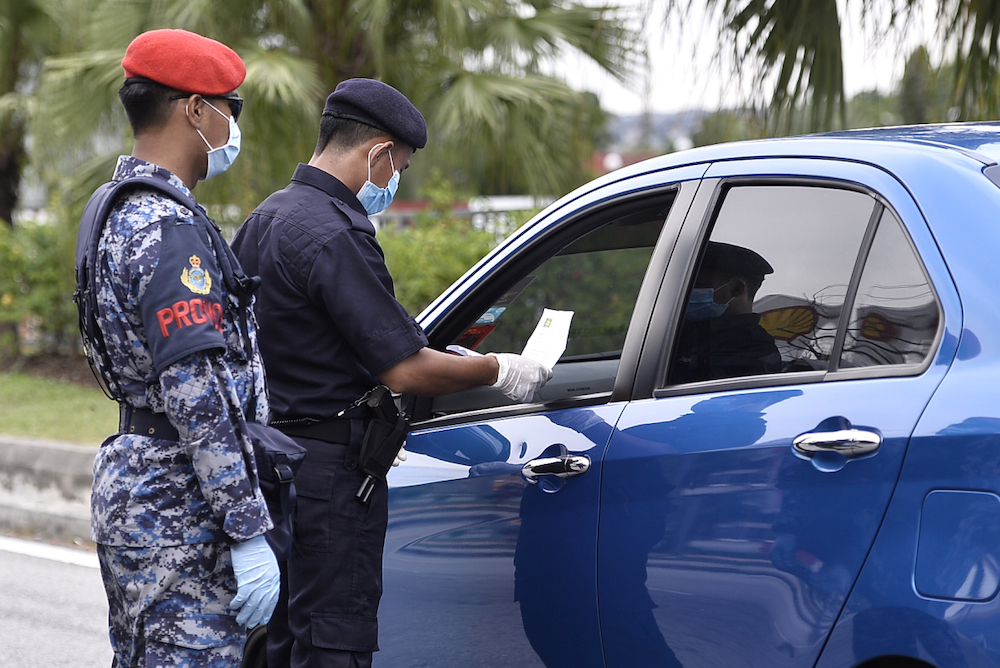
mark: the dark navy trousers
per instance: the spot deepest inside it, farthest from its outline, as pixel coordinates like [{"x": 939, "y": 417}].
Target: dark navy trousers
[{"x": 332, "y": 580}]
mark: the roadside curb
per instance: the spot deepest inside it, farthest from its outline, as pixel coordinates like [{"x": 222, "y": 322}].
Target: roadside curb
[{"x": 45, "y": 487}]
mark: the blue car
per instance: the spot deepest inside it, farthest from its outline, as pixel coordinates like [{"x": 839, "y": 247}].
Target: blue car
[{"x": 772, "y": 440}]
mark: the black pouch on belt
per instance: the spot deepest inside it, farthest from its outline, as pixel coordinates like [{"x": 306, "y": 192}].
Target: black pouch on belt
[
  {"x": 384, "y": 436},
  {"x": 278, "y": 459}
]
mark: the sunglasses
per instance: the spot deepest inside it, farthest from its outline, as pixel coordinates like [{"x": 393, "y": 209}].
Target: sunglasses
[{"x": 235, "y": 102}]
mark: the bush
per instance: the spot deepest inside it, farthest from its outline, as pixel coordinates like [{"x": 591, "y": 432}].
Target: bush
[
  {"x": 435, "y": 251},
  {"x": 37, "y": 313}
]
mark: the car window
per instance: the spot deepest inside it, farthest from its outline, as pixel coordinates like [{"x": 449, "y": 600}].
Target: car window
[
  {"x": 597, "y": 275},
  {"x": 771, "y": 281},
  {"x": 895, "y": 316}
]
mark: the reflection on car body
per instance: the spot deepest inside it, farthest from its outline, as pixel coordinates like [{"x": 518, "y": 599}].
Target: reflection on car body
[{"x": 699, "y": 535}]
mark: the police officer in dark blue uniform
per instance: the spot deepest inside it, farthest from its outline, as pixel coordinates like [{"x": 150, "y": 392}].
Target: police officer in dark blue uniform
[
  {"x": 331, "y": 329},
  {"x": 176, "y": 508}
]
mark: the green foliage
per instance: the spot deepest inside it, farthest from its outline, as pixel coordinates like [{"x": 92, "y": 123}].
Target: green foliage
[
  {"x": 916, "y": 87},
  {"x": 923, "y": 95},
  {"x": 531, "y": 136},
  {"x": 599, "y": 284},
  {"x": 726, "y": 126},
  {"x": 427, "y": 257},
  {"x": 973, "y": 28},
  {"x": 926, "y": 94},
  {"x": 791, "y": 51},
  {"x": 871, "y": 109},
  {"x": 476, "y": 71},
  {"x": 37, "y": 284},
  {"x": 28, "y": 404}
]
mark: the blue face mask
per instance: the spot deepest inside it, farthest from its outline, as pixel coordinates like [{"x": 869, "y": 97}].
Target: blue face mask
[
  {"x": 701, "y": 305},
  {"x": 220, "y": 159},
  {"x": 375, "y": 199}
]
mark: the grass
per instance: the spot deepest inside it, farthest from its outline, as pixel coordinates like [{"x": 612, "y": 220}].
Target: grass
[{"x": 34, "y": 407}]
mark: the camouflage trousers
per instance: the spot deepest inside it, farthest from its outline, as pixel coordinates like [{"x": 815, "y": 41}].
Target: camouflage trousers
[{"x": 169, "y": 606}]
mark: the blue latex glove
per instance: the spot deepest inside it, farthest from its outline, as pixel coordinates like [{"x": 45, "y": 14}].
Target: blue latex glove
[{"x": 258, "y": 582}]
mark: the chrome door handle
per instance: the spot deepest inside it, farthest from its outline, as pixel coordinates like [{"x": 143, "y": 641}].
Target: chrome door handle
[
  {"x": 563, "y": 466},
  {"x": 847, "y": 442}
]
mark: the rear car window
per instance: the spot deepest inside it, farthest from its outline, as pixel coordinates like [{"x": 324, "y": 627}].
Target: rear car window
[
  {"x": 895, "y": 317},
  {"x": 781, "y": 259},
  {"x": 803, "y": 278}
]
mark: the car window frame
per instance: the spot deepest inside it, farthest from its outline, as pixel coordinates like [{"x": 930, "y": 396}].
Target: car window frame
[
  {"x": 697, "y": 231},
  {"x": 545, "y": 245}
]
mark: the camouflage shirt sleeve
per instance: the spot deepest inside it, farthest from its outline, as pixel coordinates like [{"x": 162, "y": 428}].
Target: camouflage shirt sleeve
[{"x": 200, "y": 399}]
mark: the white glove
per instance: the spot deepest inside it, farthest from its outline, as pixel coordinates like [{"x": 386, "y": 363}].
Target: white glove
[
  {"x": 520, "y": 377},
  {"x": 258, "y": 581},
  {"x": 400, "y": 456}
]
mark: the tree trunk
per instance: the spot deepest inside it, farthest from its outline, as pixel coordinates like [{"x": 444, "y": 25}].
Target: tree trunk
[{"x": 12, "y": 154}]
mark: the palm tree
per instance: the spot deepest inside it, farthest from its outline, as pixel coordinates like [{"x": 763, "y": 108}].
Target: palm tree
[
  {"x": 476, "y": 68},
  {"x": 85, "y": 128},
  {"x": 794, "y": 50},
  {"x": 30, "y": 30},
  {"x": 500, "y": 123}
]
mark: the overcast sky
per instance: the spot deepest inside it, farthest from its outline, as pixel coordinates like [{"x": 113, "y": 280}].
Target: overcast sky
[{"x": 683, "y": 76}]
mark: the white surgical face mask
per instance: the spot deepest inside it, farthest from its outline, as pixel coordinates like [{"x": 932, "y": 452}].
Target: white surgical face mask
[
  {"x": 375, "y": 199},
  {"x": 220, "y": 159}
]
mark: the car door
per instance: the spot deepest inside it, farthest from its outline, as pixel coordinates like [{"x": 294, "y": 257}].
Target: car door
[
  {"x": 481, "y": 567},
  {"x": 741, "y": 490}
]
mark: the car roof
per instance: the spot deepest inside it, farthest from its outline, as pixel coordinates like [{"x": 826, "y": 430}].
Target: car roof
[
  {"x": 982, "y": 138},
  {"x": 978, "y": 140},
  {"x": 896, "y": 149}
]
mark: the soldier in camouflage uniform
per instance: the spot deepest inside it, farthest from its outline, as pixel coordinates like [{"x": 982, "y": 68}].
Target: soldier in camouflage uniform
[{"x": 177, "y": 512}]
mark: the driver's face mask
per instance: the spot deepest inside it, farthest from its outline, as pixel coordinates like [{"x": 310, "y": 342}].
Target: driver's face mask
[{"x": 702, "y": 306}]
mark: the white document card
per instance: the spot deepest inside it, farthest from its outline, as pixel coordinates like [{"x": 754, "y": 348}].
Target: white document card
[{"x": 548, "y": 342}]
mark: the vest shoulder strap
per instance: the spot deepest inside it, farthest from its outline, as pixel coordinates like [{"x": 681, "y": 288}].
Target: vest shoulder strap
[{"x": 88, "y": 239}]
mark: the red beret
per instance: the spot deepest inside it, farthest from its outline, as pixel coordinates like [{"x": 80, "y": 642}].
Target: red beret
[{"x": 185, "y": 61}]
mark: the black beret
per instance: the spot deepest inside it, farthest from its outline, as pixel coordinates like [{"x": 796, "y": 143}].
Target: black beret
[
  {"x": 381, "y": 106},
  {"x": 731, "y": 260}
]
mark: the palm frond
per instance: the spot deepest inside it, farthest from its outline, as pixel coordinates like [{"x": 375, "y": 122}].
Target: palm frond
[
  {"x": 520, "y": 127},
  {"x": 280, "y": 78},
  {"x": 792, "y": 50},
  {"x": 607, "y": 34},
  {"x": 284, "y": 99},
  {"x": 77, "y": 91},
  {"x": 11, "y": 105},
  {"x": 973, "y": 26}
]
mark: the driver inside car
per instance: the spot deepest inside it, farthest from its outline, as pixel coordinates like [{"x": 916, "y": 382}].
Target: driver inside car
[{"x": 721, "y": 336}]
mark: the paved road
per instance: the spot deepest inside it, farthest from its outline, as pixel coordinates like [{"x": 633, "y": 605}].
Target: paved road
[{"x": 52, "y": 607}]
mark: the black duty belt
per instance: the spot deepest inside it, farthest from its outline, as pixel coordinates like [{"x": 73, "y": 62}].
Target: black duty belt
[
  {"x": 331, "y": 431},
  {"x": 144, "y": 422}
]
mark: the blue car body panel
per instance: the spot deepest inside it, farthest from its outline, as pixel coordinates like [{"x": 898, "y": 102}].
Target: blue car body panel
[
  {"x": 478, "y": 561},
  {"x": 699, "y": 537},
  {"x": 938, "y": 522}
]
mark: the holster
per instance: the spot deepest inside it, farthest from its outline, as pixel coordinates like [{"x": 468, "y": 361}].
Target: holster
[{"x": 384, "y": 436}]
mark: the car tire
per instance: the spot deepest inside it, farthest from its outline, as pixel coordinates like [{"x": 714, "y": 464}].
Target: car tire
[{"x": 255, "y": 649}]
